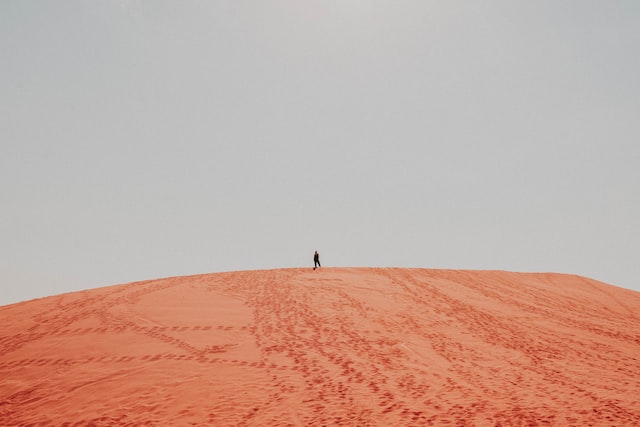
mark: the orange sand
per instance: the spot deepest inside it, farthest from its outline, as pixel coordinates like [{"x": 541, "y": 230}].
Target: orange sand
[{"x": 347, "y": 346}]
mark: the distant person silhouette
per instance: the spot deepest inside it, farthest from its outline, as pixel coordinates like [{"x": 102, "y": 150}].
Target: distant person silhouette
[{"x": 316, "y": 260}]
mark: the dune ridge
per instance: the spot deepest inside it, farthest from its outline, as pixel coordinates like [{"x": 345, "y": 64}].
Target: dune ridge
[{"x": 335, "y": 346}]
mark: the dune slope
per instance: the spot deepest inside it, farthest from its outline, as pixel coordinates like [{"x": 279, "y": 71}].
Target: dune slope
[{"x": 344, "y": 346}]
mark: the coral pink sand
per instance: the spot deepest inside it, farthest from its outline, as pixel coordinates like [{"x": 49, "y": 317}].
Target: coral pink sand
[{"x": 343, "y": 346}]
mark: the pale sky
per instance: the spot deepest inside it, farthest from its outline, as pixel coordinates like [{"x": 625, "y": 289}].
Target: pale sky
[{"x": 145, "y": 139}]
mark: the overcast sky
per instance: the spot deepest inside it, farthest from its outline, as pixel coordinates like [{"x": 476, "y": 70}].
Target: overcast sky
[{"x": 145, "y": 139}]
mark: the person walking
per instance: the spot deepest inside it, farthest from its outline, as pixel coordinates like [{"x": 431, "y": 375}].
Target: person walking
[{"x": 316, "y": 260}]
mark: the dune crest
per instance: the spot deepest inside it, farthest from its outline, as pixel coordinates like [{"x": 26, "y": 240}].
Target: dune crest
[{"x": 336, "y": 346}]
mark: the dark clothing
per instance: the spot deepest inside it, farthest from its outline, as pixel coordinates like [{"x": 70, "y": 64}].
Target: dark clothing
[{"x": 316, "y": 261}]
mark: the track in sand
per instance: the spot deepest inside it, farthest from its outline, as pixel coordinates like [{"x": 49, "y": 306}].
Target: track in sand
[{"x": 343, "y": 346}]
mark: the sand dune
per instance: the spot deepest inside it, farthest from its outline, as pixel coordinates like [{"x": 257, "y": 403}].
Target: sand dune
[{"x": 350, "y": 347}]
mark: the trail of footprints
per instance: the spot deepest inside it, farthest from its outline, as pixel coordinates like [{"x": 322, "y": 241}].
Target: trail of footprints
[
  {"x": 335, "y": 385},
  {"x": 83, "y": 306},
  {"x": 157, "y": 332},
  {"x": 144, "y": 358},
  {"x": 148, "y": 330}
]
